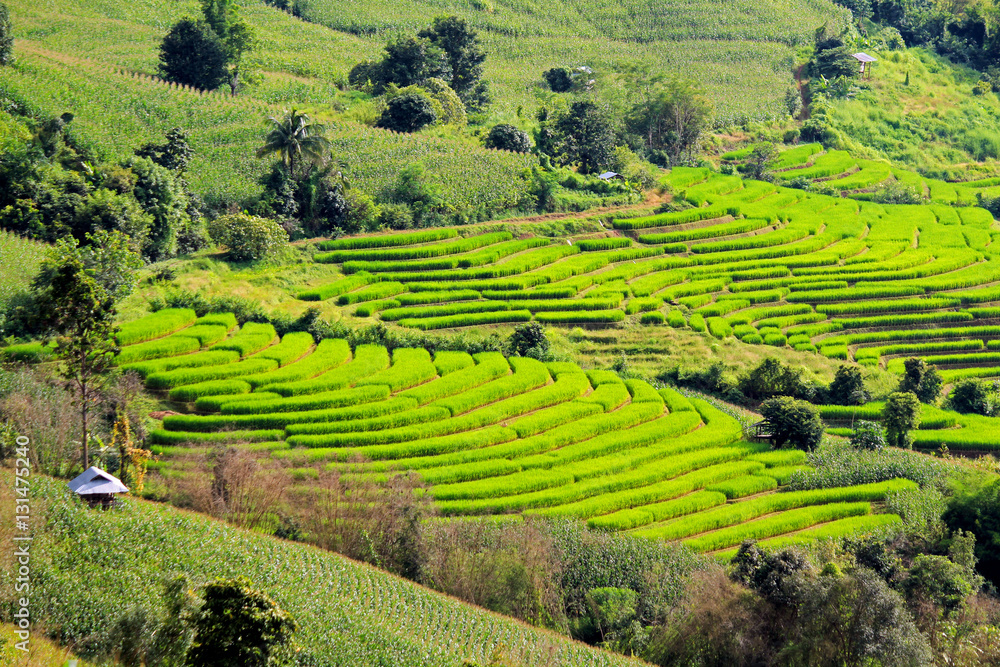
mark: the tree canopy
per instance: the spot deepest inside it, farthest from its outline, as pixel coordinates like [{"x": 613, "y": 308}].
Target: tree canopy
[
  {"x": 297, "y": 139},
  {"x": 193, "y": 55},
  {"x": 6, "y": 37}
]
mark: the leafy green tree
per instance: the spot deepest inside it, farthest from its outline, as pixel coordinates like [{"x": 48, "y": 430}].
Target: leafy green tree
[
  {"x": 937, "y": 580},
  {"x": 868, "y": 435},
  {"x": 854, "y": 619},
  {"x": 921, "y": 379},
  {"x": 900, "y": 415},
  {"x": 848, "y": 387},
  {"x": 832, "y": 58},
  {"x": 193, "y": 55},
  {"x": 239, "y": 626},
  {"x": 585, "y": 137},
  {"x": 6, "y": 37},
  {"x": 174, "y": 155},
  {"x": 760, "y": 161},
  {"x": 76, "y": 293},
  {"x": 975, "y": 508},
  {"x": 410, "y": 60},
  {"x": 793, "y": 421},
  {"x": 247, "y": 237},
  {"x": 235, "y": 33},
  {"x": 407, "y": 113},
  {"x": 973, "y": 396},
  {"x": 463, "y": 50},
  {"x": 669, "y": 119},
  {"x": 110, "y": 211},
  {"x": 508, "y": 138},
  {"x": 560, "y": 79},
  {"x": 164, "y": 195},
  {"x": 772, "y": 378},
  {"x": 528, "y": 340},
  {"x": 613, "y": 612},
  {"x": 297, "y": 139}
]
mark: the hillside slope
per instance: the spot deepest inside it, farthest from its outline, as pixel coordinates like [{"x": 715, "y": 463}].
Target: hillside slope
[
  {"x": 88, "y": 567},
  {"x": 83, "y": 56}
]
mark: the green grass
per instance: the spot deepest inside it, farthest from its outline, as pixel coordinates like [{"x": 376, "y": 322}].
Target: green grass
[
  {"x": 95, "y": 57},
  {"x": 19, "y": 262},
  {"x": 91, "y": 566},
  {"x": 488, "y": 435}
]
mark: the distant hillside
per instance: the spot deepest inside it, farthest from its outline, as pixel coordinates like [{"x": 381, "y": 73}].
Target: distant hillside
[
  {"x": 91, "y": 567},
  {"x": 93, "y": 57}
]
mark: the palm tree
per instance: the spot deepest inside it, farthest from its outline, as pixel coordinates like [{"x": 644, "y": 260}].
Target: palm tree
[{"x": 296, "y": 137}]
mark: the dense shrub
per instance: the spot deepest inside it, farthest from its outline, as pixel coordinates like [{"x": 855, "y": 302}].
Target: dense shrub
[
  {"x": 793, "y": 421},
  {"x": 247, "y": 237},
  {"x": 408, "y": 113},
  {"x": 508, "y": 138}
]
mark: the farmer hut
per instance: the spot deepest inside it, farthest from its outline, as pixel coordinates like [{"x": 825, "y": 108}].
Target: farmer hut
[
  {"x": 97, "y": 487},
  {"x": 867, "y": 63}
]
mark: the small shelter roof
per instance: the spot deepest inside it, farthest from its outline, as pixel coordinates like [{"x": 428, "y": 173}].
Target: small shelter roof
[
  {"x": 608, "y": 175},
  {"x": 94, "y": 481},
  {"x": 865, "y": 58}
]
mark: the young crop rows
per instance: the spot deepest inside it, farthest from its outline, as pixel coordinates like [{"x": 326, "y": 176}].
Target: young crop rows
[
  {"x": 769, "y": 265},
  {"x": 487, "y": 434}
]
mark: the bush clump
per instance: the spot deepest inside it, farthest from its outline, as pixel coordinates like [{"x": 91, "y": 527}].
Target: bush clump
[{"x": 247, "y": 237}]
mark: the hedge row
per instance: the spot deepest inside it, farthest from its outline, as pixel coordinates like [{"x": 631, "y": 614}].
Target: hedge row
[
  {"x": 371, "y": 293},
  {"x": 329, "y": 354},
  {"x": 252, "y": 337},
  {"x": 410, "y": 366},
  {"x": 455, "y": 466},
  {"x": 420, "y": 298},
  {"x": 209, "y": 423},
  {"x": 448, "y": 361},
  {"x": 224, "y": 401},
  {"x": 740, "y": 513},
  {"x": 369, "y": 308},
  {"x": 489, "y": 366},
  {"x": 321, "y": 401},
  {"x": 576, "y": 317},
  {"x": 416, "y": 252},
  {"x": 467, "y": 320},
  {"x": 745, "y": 486},
  {"x": 335, "y": 288},
  {"x": 156, "y": 325},
  {"x": 368, "y": 359},
  {"x": 675, "y": 218},
  {"x": 785, "y": 522},
  {"x": 388, "y": 240},
  {"x": 209, "y": 358},
  {"x": 154, "y": 349},
  {"x": 191, "y": 392},
  {"x": 182, "y": 376},
  {"x": 588, "y": 245},
  {"x": 445, "y": 310}
]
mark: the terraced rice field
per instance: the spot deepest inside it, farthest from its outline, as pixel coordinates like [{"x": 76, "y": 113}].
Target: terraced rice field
[
  {"x": 488, "y": 435},
  {"x": 847, "y": 279}
]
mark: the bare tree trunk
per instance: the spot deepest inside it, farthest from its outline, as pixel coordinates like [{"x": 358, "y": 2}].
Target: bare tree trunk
[
  {"x": 83, "y": 418},
  {"x": 234, "y": 81}
]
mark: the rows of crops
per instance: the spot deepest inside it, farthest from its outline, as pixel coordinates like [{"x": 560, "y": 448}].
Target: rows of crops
[
  {"x": 766, "y": 264},
  {"x": 487, "y": 434},
  {"x": 838, "y": 171}
]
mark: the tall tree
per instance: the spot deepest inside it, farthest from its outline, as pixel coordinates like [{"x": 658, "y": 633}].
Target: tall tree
[
  {"x": 193, "y": 55},
  {"x": 670, "y": 118},
  {"x": 6, "y": 37},
  {"x": 464, "y": 52},
  {"x": 237, "y": 36},
  {"x": 239, "y": 626},
  {"x": 584, "y": 136},
  {"x": 900, "y": 415},
  {"x": 77, "y": 289},
  {"x": 297, "y": 139}
]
